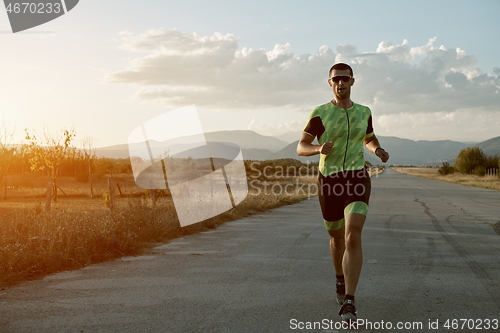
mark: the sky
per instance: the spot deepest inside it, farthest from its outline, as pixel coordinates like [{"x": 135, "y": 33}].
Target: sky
[{"x": 428, "y": 70}]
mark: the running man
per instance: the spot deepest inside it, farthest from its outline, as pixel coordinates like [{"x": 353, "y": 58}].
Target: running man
[{"x": 342, "y": 127}]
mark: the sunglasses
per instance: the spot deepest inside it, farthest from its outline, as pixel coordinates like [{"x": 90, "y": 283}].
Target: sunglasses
[{"x": 338, "y": 78}]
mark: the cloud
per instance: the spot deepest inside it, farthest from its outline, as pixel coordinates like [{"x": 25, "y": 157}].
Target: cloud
[
  {"x": 178, "y": 68},
  {"x": 181, "y": 68},
  {"x": 425, "y": 79}
]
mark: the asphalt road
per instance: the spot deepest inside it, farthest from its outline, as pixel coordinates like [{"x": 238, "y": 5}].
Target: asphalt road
[{"x": 431, "y": 255}]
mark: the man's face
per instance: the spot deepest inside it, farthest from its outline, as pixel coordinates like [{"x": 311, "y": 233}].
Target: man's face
[{"x": 341, "y": 89}]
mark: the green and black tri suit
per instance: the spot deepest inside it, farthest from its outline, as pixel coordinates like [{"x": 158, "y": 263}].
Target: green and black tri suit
[{"x": 344, "y": 182}]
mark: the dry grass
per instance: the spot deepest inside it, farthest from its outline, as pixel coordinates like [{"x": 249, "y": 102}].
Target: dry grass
[
  {"x": 487, "y": 182},
  {"x": 79, "y": 231}
]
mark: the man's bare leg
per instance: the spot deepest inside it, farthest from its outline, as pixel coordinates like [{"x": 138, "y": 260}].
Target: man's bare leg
[
  {"x": 337, "y": 248},
  {"x": 353, "y": 256}
]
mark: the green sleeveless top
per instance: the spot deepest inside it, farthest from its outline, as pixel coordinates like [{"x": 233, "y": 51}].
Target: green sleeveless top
[{"x": 347, "y": 129}]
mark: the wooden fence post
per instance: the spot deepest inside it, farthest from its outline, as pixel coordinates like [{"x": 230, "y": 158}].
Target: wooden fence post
[
  {"x": 48, "y": 196},
  {"x": 153, "y": 196},
  {"x": 119, "y": 190},
  {"x": 90, "y": 179},
  {"x": 152, "y": 193},
  {"x": 111, "y": 189}
]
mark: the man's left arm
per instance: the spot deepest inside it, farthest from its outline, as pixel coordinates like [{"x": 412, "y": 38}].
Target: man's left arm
[{"x": 374, "y": 147}]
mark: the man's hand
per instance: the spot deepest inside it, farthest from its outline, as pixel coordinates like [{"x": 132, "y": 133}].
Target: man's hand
[
  {"x": 383, "y": 155},
  {"x": 326, "y": 148}
]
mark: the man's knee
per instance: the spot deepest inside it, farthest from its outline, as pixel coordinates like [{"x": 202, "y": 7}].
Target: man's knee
[
  {"x": 353, "y": 240},
  {"x": 354, "y": 227},
  {"x": 337, "y": 236},
  {"x": 338, "y": 242}
]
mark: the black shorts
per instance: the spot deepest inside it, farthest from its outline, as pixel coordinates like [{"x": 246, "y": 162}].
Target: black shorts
[{"x": 343, "y": 193}]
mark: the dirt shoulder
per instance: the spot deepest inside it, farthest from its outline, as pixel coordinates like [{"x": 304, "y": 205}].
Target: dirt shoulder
[{"x": 486, "y": 182}]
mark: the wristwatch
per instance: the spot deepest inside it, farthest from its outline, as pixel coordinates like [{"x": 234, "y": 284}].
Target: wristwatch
[{"x": 376, "y": 150}]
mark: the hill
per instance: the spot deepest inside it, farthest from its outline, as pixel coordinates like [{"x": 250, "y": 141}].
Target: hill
[
  {"x": 491, "y": 146},
  {"x": 403, "y": 151},
  {"x": 423, "y": 152},
  {"x": 290, "y": 151},
  {"x": 260, "y": 147},
  {"x": 249, "y": 141},
  {"x": 289, "y": 137}
]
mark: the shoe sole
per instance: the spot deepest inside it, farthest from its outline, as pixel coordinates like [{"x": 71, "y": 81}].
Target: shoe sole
[{"x": 348, "y": 318}]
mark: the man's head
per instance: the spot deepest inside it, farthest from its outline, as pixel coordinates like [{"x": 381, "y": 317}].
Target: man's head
[
  {"x": 341, "y": 80},
  {"x": 341, "y": 67}
]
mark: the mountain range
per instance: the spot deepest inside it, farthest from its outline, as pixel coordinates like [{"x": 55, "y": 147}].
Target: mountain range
[{"x": 255, "y": 146}]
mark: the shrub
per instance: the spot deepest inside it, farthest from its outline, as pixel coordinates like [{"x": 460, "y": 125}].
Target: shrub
[
  {"x": 492, "y": 161},
  {"x": 480, "y": 171},
  {"x": 469, "y": 159},
  {"x": 446, "y": 169},
  {"x": 492, "y": 164}
]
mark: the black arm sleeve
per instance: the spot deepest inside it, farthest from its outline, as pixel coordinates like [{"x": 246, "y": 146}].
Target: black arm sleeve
[
  {"x": 369, "y": 129},
  {"x": 315, "y": 127}
]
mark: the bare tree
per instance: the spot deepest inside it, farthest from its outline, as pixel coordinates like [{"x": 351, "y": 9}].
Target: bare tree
[
  {"x": 7, "y": 150},
  {"x": 90, "y": 156},
  {"x": 47, "y": 156}
]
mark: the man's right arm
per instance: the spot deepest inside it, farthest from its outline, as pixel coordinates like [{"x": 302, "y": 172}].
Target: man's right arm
[{"x": 306, "y": 148}]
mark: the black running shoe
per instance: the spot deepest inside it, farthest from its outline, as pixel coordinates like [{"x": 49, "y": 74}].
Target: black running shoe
[
  {"x": 348, "y": 311},
  {"x": 340, "y": 292}
]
